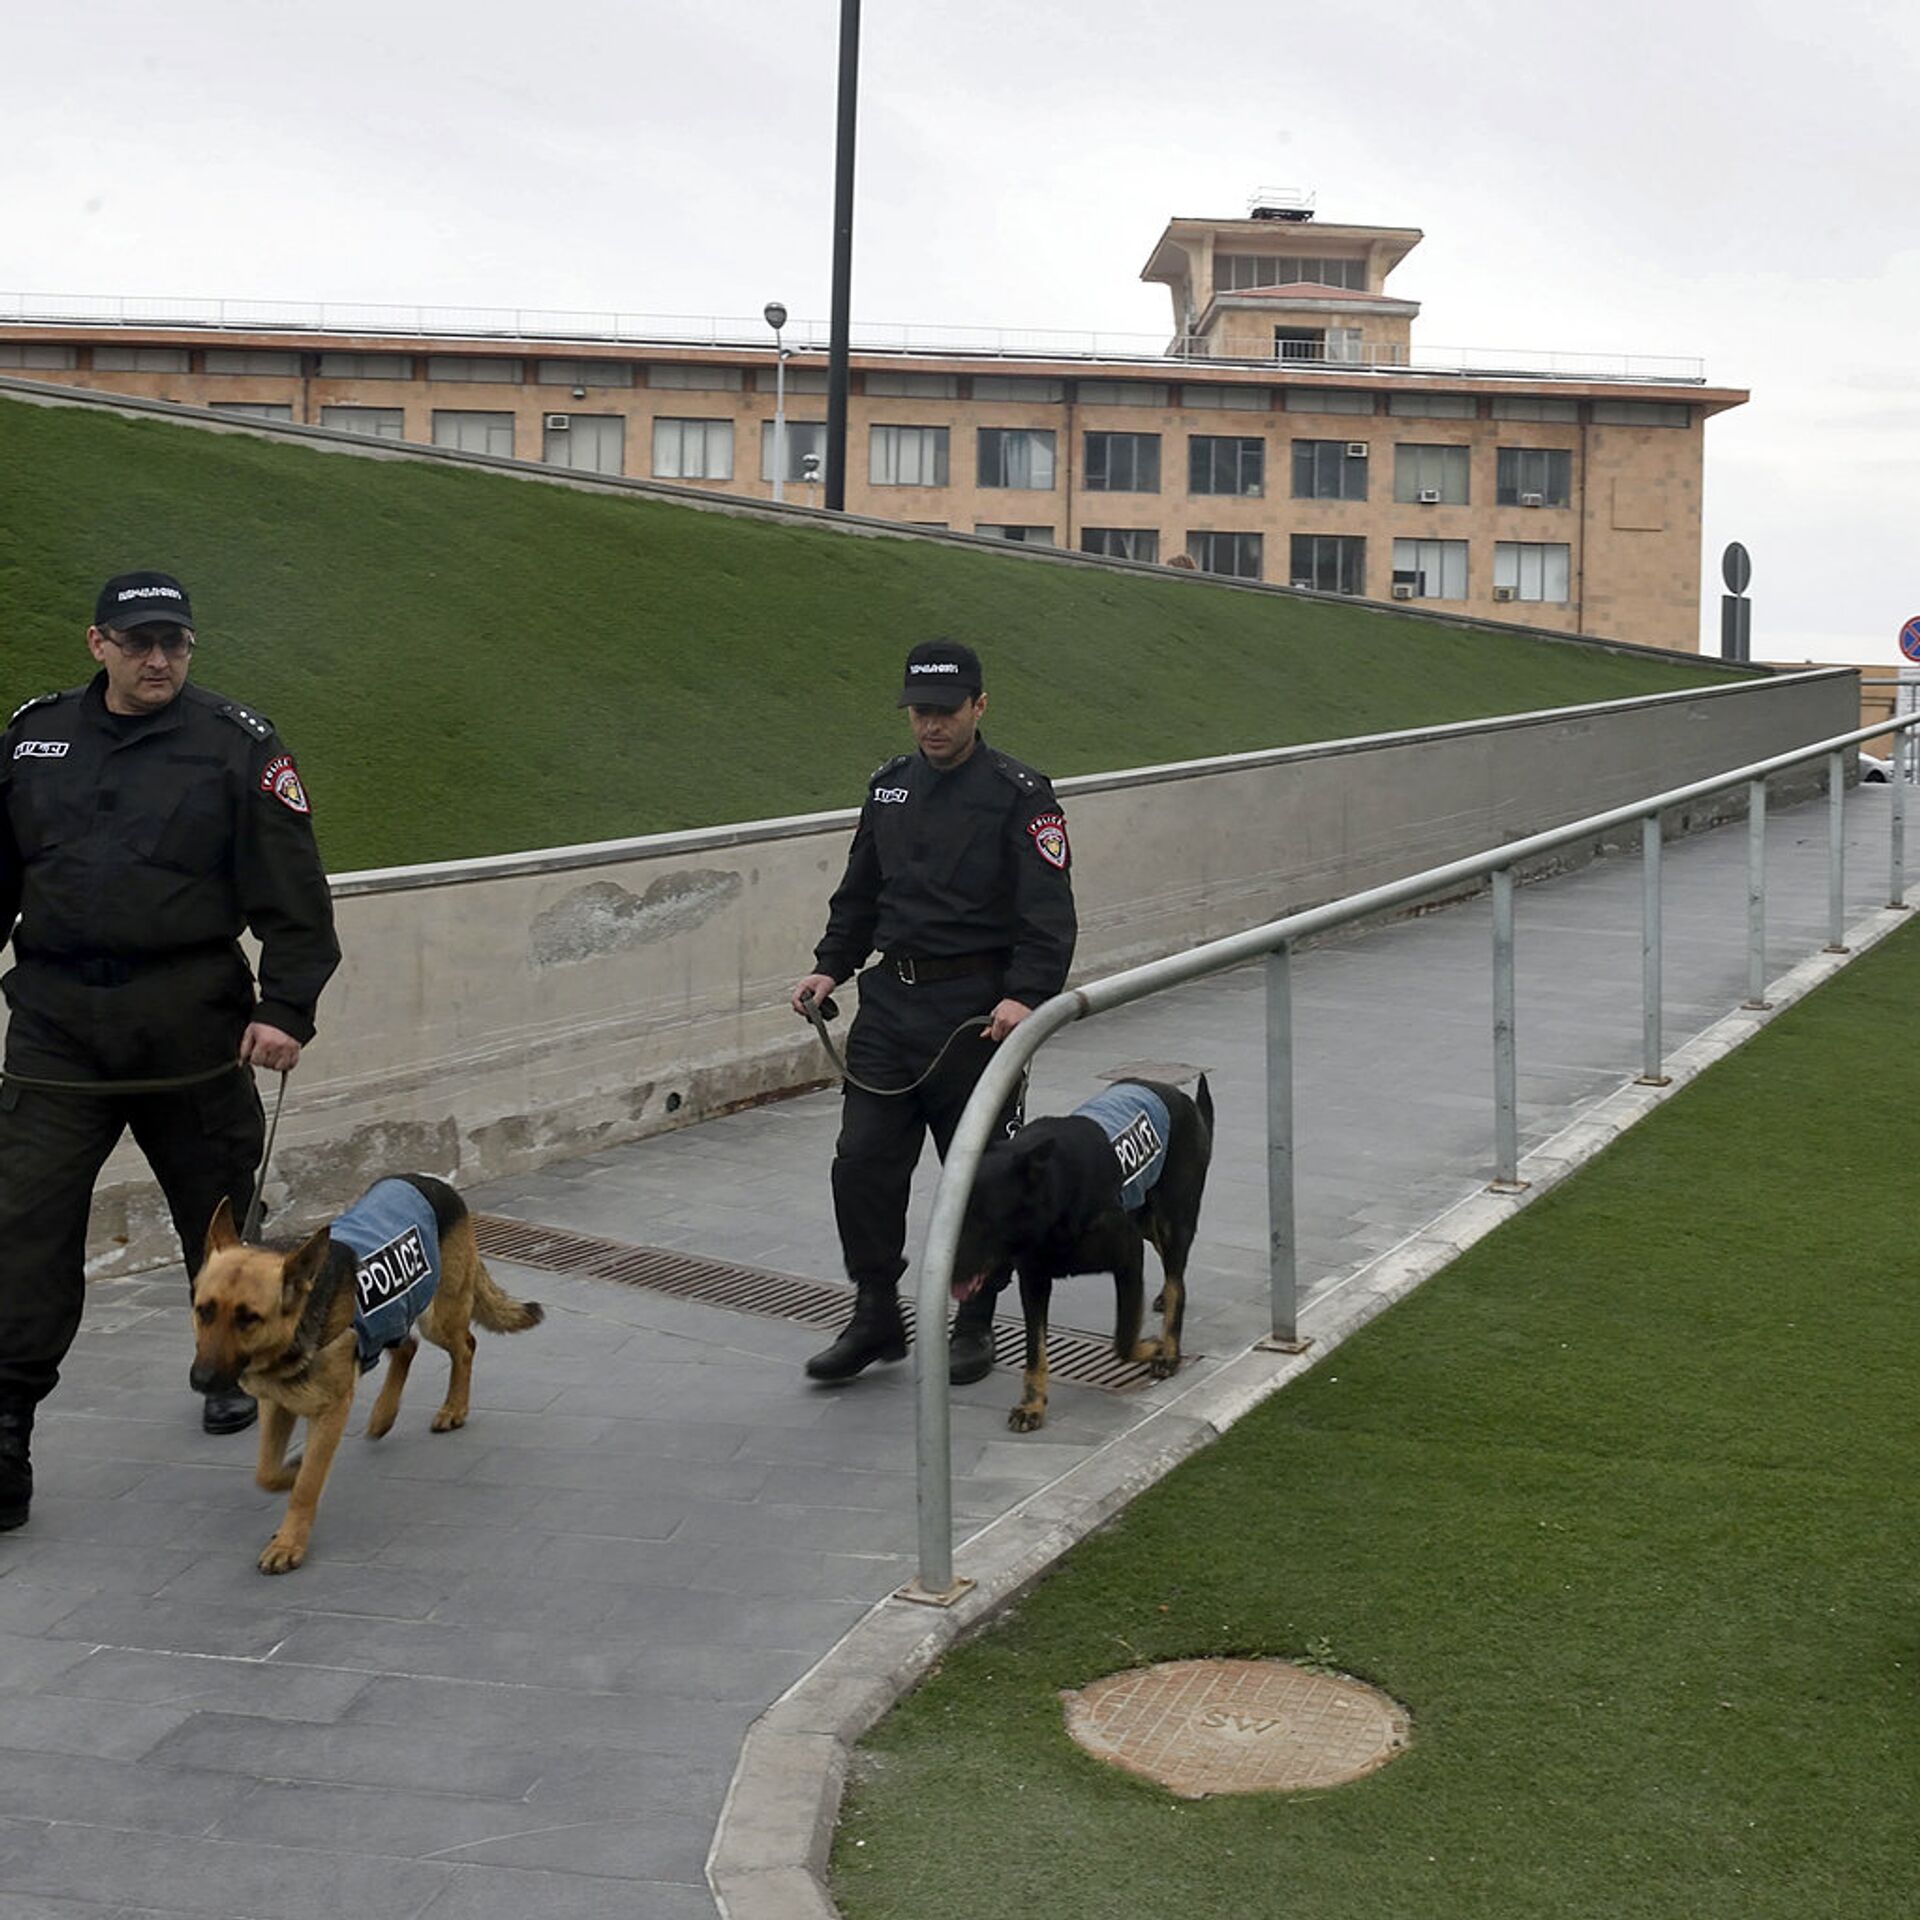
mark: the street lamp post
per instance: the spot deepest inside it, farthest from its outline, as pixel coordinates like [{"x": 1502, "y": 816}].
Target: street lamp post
[{"x": 776, "y": 319}]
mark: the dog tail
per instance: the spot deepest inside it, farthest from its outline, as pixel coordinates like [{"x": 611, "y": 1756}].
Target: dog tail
[
  {"x": 1203, "y": 1099},
  {"x": 493, "y": 1306}
]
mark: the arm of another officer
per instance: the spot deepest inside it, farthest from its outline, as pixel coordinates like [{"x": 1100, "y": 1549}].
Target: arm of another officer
[
  {"x": 851, "y": 915},
  {"x": 1043, "y": 908},
  {"x": 10, "y": 862},
  {"x": 286, "y": 901}
]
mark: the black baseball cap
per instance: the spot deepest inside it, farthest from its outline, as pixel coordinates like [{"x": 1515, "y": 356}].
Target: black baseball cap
[
  {"x": 940, "y": 673},
  {"x": 142, "y": 599}
]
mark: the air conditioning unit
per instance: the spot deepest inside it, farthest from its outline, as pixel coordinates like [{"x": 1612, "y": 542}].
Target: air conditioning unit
[
  {"x": 1505, "y": 593},
  {"x": 1356, "y": 449},
  {"x": 559, "y": 422},
  {"x": 1301, "y": 586},
  {"x": 1402, "y": 591},
  {"x": 1254, "y": 491},
  {"x": 1429, "y": 496},
  {"x": 1533, "y": 499}
]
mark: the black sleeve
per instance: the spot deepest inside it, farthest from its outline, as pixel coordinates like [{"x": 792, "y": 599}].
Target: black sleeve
[
  {"x": 854, "y": 908},
  {"x": 1042, "y": 898},
  {"x": 10, "y": 862},
  {"x": 284, "y": 893}
]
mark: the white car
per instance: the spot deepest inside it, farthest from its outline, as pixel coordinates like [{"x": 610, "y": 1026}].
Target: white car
[{"x": 1874, "y": 769}]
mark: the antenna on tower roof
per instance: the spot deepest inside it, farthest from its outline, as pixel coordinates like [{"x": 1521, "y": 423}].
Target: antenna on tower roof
[{"x": 1280, "y": 203}]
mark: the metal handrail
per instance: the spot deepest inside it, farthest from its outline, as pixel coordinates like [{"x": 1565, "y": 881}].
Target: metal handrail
[{"x": 1274, "y": 942}]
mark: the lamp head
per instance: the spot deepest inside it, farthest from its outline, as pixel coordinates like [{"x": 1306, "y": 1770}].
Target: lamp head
[{"x": 776, "y": 315}]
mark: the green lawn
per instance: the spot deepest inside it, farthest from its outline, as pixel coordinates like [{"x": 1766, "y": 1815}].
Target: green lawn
[
  {"x": 468, "y": 664},
  {"x": 1623, "y": 1506}
]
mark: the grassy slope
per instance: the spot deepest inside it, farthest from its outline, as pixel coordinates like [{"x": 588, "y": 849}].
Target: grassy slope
[
  {"x": 468, "y": 664},
  {"x": 1624, "y": 1506}
]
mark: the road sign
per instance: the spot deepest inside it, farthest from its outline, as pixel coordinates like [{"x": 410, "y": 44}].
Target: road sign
[
  {"x": 1910, "y": 638},
  {"x": 1736, "y": 567}
]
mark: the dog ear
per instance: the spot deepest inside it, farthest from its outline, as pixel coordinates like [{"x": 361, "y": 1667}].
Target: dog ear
[
  {"x": 221, "y": 1233},
  {"x": 303, "y": 1267}
]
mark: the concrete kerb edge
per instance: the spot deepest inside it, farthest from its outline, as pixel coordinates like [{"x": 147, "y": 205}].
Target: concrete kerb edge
[{"x": 772, "y": 1842}]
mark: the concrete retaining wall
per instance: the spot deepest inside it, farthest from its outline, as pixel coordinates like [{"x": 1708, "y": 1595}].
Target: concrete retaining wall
[{"x": 493, "y": 1015}]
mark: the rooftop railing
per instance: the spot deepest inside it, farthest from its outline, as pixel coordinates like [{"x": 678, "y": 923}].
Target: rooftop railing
[
  {"x": 562, "y": 326},
  {"x": 1273, "y": 943}
]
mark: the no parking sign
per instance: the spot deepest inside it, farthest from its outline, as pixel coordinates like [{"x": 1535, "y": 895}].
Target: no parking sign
[{"x": 1910, "y": 638}]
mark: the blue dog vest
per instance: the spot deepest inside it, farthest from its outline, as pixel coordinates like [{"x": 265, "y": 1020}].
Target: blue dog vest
[
  {"x": 1138, "y": 1125},
  {"x": 395, "y": 1242}
]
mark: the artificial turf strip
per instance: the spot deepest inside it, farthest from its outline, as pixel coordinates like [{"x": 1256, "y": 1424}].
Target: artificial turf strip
[
  {"x": 1622, "y": 1506},
  {"x": 468, "y": 664}
]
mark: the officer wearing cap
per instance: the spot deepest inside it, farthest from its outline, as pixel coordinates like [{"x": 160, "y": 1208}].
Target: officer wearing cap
[
  {"x": 143, "y": 823},
  {"x": 959, "y": 876}
]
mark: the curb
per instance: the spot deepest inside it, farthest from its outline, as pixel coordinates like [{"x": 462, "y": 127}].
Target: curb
[{"x": 771, "y": 1845}]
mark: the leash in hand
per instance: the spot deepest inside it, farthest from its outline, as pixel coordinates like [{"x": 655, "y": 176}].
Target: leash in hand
[{"x": 820, "y": 1012}]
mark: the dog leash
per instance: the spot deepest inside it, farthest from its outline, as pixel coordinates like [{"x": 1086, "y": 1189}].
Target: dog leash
[
  {"x": 820, "y": 1014},
  {"x": 252, "y": 1225}
]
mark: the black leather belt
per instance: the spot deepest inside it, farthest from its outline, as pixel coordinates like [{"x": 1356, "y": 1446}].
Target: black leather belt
[
  {"x": 118, "y": 969},
  {"x": 913, "y": 971}
]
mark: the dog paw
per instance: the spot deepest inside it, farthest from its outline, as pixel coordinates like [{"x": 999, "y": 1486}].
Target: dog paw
[
  {"x": 1163, "y": 1366},
  {"x": 446, "y": 1420},
  {"x": 281, "y": 1556},
  {"x": 1027, "y": 1419}
]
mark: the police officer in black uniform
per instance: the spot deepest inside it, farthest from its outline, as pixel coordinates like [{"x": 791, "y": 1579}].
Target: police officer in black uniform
[
  {"x": 959, "y": 875},
  {"x": 143, "y": 823}
]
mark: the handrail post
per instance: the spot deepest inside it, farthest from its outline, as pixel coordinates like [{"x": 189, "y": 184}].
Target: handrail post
[
  {"x": 1283, "y": 1265},
  {"x": 1650, "y": 1051},
  {"x": 1757, "y": 895},
  {"x": 1506, "y": 1108},
  {"x": 1836, "y": 852},
  {"x": 1897, "y": 833}
]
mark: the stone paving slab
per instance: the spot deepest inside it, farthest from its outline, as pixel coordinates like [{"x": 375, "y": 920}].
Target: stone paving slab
[{"x": 518, "y": 1672}]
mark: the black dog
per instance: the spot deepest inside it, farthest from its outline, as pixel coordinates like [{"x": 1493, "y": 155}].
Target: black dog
[{"x": 1084, "y": 1193}]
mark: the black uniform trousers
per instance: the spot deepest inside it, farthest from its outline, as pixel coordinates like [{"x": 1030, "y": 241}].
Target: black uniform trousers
[
  {"x": 899, "y": 1029},
  {"x": 202, "y": 1142}
]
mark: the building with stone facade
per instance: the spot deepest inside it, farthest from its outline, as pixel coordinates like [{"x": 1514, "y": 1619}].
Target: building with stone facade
[{"x": 1288, "y": 431}]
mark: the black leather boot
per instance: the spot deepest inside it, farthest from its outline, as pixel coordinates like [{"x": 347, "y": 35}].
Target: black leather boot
[
  {"x": 16, "y": 1469},
  {"x": 876, "y": 1332},
  {"x": 969, "y": 1348},
  {"x": 228, "y": 1410}
]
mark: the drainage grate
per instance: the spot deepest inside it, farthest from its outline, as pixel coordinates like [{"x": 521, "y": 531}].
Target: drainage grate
[{"x": 1083, "y": 1358}]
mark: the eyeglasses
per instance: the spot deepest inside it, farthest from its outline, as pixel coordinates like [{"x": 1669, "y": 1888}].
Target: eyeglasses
[{"x": 172, "y": 641}]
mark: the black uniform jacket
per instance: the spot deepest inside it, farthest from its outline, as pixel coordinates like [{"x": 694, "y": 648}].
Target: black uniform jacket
[
  {"x": 155, "y": 842},
  {"x": 964, "y": 862}
]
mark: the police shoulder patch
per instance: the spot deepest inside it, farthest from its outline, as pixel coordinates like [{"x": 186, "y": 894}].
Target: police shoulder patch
[
  {"x": 38, "y": 700},
  {"x": 1048, "y": 831},
  {"x": 280, "y": 778},
  {"x": 246, "y": 719}
]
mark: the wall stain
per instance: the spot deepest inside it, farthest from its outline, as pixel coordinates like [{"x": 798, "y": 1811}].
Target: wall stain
[{"x": 603, "y": 917}]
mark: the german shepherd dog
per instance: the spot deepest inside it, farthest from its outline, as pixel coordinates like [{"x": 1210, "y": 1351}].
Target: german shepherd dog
[
  {"x": 280, "y": 1323},
  {"x": 1048, "y": 1203}
]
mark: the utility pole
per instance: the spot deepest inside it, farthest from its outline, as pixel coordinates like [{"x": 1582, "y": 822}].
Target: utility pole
[{"x": 842, "y": 260}]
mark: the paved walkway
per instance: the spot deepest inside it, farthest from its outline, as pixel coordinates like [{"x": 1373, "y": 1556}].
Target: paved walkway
[{"x": 514, "y": 1678}]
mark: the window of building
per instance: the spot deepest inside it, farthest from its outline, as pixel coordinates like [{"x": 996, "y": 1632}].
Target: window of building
[
  {"x": 474, "y": 432},
  {"x": 1328, "y": 470},
  {"x": 1121, "y": 393},
  {"x": 1328, "y": 400},
  {"x": 1337, "y": 345},
  {"x": 1328, "y": 562},
  {"x": 255, "y": 409},
  {"x": 1433, "y": 406},
  {"x": 1016, "y": 457},
  {"x": 139, "y": 359},
  {"x": 1530, "y": 570},
  {"x": 1429, "y": 569},
  {"x": 688, "y": 378},
  {"x": 473, "y": 367},
  {"x": 1009, "y": 386},
  {"x": 803, "y": 437},
  {"x": 798, "y": 380},
  {"x": 1233, "y": 272},
  {"x": 1121, "y": 463},
  {"x": 693, "y": 449},
  {"x": 377, "y": 423},
  {"x": 1533, "y": 477},
  {"x": 1528, "y": 406},
  {"x": 907, "y": 456},
  {"x": 1641, "y": 413},
  {"x": 1431, "y": 475},
  {"x": 583, "y": 373},
  {"x": 33, "y": 353},
  {"x": 366, "y": 366},
  {"x": 1237, "y": 555},
  {"x": 1237, "y": 399},
  {"x": 1029, "y": 536},
  {"x": 1218, "y": 463},
  {"x": 1121, "y": 543},
  {"x": 250, "y": 360},
  {"x": 915, "y": 386},
  {"x": 588, "y": 443}
]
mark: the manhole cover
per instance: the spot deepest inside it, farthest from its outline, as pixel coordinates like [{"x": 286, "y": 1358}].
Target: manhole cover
[{"x": 1236, "y": 1726}]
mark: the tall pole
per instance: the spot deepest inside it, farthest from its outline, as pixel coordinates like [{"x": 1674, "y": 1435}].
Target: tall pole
[
  {"x": 842, "y": 260},
  {"x": 776, "y": 319}
]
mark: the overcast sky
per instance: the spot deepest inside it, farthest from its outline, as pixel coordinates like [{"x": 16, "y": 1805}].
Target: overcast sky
[{"x": 1737, "y": 183}]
